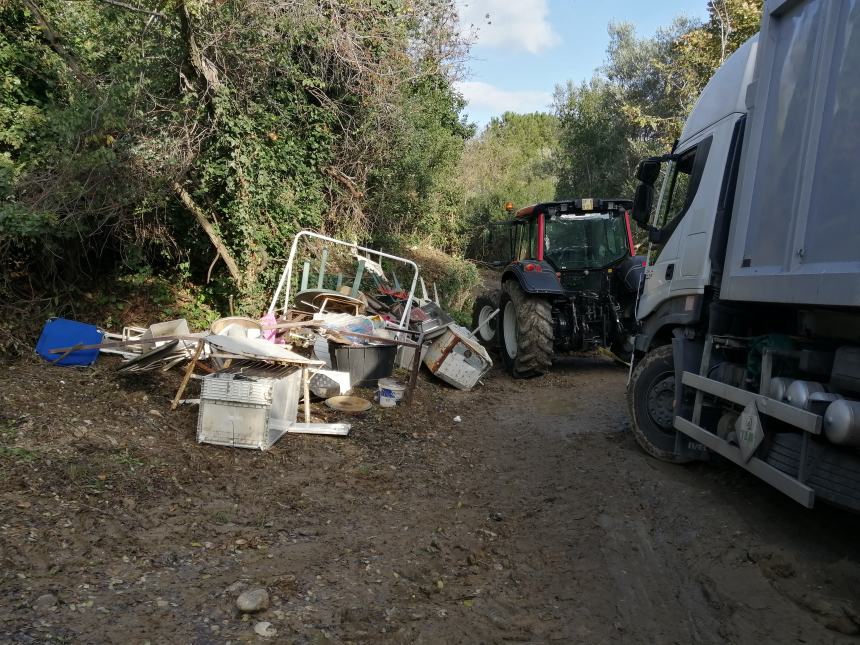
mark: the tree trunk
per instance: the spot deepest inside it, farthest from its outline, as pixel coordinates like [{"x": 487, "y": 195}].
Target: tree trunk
[
  {"x": 204, "y": 222},
  {"x": 55, "y": 42}
]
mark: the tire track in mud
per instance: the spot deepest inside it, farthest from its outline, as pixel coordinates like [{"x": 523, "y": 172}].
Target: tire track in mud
[{"x": 613, "y": 546}]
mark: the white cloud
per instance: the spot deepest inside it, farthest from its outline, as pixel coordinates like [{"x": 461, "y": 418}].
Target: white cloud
[
  {"x": 513, "y": 24},
  {"x": 485, "y": 97}
]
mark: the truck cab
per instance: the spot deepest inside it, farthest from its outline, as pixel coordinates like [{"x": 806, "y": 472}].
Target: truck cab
[
  {"x": 687, "y": 227},
  {"x": 749, "y": 313}
]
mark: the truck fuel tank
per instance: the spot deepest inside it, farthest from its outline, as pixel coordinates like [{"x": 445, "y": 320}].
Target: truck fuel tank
[
  {"x": 798, "y": 393},
  {"x": 842, "y": 423}
]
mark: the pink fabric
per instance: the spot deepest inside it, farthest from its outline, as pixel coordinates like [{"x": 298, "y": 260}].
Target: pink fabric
[{"x": 271, "y": 335}]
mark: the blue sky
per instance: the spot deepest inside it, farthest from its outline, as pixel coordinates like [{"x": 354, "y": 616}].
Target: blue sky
[{"x": 526, "y": 47}]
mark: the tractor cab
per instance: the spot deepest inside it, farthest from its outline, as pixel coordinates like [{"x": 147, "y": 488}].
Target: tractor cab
[{"x": 573, "y": 235}]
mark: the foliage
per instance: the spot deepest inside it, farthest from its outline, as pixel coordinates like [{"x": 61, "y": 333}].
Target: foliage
[
  {"x": 596, "y": 158},
  {"x": 412, "y": 197},
  {"x": 509, "y": 161},
  {"x": 454, "y": 279},
  {"x": 637, "y": 103},
  {"x": 125, "y": 128}
]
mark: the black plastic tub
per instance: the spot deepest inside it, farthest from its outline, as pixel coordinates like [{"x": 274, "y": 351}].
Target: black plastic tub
[{"x": 366, "y": 364}]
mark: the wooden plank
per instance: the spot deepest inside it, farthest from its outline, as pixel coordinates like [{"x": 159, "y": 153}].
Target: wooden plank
[
  {"x": 124, "y": 343},
  {"x": 323, "y": 261},
  {"x": 306, "y": 272},
  {"x": 356, "y": 283},
  {"x": 408, "y": 396},
  {"x": 380, "y": 341},
  {"x": 187, "y": 376}
]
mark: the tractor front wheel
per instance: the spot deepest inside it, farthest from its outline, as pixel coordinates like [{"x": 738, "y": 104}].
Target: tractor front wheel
[{"x": 525, "y": 331}]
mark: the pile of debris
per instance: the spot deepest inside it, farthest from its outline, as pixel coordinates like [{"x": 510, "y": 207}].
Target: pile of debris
[{"x": 350, "y": 330}]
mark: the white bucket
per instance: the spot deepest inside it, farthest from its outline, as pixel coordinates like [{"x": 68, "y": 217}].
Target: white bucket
[
  {"x": 392, "y": 387},
  {"x": 386, "y": 398}
]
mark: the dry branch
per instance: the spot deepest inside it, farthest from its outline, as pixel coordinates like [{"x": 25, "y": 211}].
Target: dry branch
[
  {"x": 55, "y": 42},
  {"x": 123, "y": 5},
  {"x": 204, "y": 222}
]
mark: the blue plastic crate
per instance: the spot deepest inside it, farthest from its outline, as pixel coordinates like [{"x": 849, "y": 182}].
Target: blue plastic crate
[{"x": 59, "y": 333}]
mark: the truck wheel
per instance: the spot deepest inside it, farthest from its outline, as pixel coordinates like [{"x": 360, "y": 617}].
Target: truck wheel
[
  {"x": 650, "y": 399},
  {"x": 484, "y": 307},
  {"x": 525, "y": 332}
]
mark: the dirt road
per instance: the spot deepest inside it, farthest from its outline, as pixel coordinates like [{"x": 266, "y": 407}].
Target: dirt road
[{"x": 534, "y": 519}]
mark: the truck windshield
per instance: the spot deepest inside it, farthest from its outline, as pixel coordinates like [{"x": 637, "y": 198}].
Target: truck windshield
[{"x": 593, "y": 241}]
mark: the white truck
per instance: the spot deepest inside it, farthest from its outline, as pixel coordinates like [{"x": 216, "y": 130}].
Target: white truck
[{"x": 749, "y": 338}]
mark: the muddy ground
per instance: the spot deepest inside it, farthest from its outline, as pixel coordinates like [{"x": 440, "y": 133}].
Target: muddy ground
[{"x": 534, "y": 519}]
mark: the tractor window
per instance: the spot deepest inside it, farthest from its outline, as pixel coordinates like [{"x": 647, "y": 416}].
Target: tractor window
[
  {"x": 577, "y": 242},
  {"x": 516, "y": 239},
  {"x": 524, "y": 240}
]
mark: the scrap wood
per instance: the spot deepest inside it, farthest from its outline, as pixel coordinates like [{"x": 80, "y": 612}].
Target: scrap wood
[
  {"x": 413, "y": 373},
  {"x": 66, "y": 351},
  {"x": 376, "y": 305},
  {"x": 124, "y": 343},
  {"x": 187, "y": 376},
  {"x": 294, "y": 325}
]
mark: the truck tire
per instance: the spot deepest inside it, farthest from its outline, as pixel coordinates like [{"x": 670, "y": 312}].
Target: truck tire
[
  {"x": 524, "y": 331},
  {"x": 650, "y": 399},
  {"x": 485, "y": 305}
]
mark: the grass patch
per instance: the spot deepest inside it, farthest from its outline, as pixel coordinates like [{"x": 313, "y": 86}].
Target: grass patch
[
  {"x": 125, "y": 458},
  {"x": 221, "y": 517},
  {"x": 21, "y": 455},
  {"x": 8, "y": 431}
]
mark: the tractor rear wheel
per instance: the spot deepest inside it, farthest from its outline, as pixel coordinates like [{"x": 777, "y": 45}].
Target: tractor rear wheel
[
  {"x": 525, "y": 331},
  {"x": 651, "y": 402},
  {"x": 485, "y": 305}
]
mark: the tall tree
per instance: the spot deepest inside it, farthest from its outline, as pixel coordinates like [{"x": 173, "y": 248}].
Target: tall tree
[
  {"x": 149, "y": 132},
  {"x": 637, "y": 103},
  {"x": 509, "y": 161}
]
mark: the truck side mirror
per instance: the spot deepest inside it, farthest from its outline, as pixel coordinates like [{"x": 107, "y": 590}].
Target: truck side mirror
[
  {"x": 648, "y": 170},
  {"x": 642, "y": 204}
]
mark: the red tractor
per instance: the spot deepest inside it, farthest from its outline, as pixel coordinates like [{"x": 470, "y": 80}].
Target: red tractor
[{"x": 569, "y": 284}]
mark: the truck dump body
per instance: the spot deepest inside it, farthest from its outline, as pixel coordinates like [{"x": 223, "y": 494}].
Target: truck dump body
[{"x": 795, "y": 232}]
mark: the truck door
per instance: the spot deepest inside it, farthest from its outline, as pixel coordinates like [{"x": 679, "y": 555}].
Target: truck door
[{"x": 680, "y": 184}]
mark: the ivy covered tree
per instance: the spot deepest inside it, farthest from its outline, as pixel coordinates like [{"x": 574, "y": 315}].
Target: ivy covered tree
[{"x": 153, "y": 132}]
